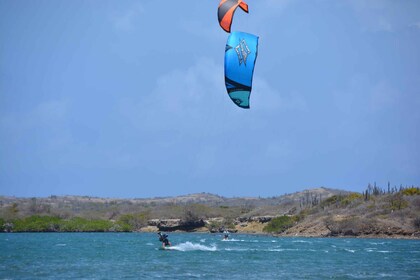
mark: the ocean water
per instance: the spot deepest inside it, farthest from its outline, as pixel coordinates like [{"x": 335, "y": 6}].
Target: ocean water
[{"x": 137, "y": 256}]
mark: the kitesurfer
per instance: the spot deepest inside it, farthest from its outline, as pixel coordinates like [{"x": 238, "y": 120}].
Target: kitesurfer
[
  {"x": 226, "y": 235},
  {"x": 164, "y": 239}
]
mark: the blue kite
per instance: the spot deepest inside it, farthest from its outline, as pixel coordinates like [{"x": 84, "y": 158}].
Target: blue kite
[{"x": 240, "y": 57}]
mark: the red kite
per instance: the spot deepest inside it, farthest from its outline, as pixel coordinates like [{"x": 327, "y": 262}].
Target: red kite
[{"x": 227, "y": 9}]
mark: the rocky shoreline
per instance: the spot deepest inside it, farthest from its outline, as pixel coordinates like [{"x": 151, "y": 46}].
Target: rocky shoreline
[
  {"x": 255, "y": 225},
  {"x": 319, "y": 212}
]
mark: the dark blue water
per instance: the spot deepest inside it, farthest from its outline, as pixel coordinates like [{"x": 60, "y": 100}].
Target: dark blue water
[{"x": 136, "y": 256}]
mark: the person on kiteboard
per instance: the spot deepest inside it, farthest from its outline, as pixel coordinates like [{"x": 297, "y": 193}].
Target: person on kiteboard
[
  {"x": 226, "y": 235},
  {"x": 164, "y": 239}
]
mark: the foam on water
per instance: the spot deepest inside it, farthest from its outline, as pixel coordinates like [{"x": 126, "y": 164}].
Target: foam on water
[
  {"x": 261, "y": 250},
  {"x": 189, "y": 246},
  {"x": 377, "y": 243},
  {"x": 301, "y": 241},
  {"x": 233, "y": 240}
]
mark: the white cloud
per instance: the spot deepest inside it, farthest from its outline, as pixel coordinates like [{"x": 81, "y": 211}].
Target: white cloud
[
  {"x": 195, "y": 100},
  {"x": 125, "y": 20},
  {"x": 416, "y": 24},
  {"x": 51, "y": 111},
  {"x": 48, "y": 113},
  {"x": 373, "y": 15},
  {"x": 278, "y": 150},
  {"x": 270, "y": 100},
  {"x": 362, "y": 96},
  {"x": 382, "y": 96},
  {"x": 182, "y": 99},
  {"x": 202, "y": 29},
  {"x": 190, "y": 108},
  {"x": 383, "y": 15},
  {"x": 274, "y": 5}
]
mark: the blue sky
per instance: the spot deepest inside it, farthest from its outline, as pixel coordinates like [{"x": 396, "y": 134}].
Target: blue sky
[{"x": 127, "y": 98}]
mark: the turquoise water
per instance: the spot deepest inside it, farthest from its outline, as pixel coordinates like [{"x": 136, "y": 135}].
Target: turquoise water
[{"x": 136, "y": 256}]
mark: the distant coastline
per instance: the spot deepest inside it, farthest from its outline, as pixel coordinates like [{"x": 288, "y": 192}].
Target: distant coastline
[{"x": 320, "y": 212}]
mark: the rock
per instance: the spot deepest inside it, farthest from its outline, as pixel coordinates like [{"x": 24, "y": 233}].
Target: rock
[
  {"x": 258, "y": 219},
  {"x": 178, "y": 224},
  {"x": 153, "y": 222},
  {"x": 261, "y": 219},
  {"x": 149, "y": 229},
  {"x": 168, "y": 224}
]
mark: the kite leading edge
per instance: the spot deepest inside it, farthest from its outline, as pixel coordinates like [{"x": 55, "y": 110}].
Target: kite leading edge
[{"x": 226, "y": 11}]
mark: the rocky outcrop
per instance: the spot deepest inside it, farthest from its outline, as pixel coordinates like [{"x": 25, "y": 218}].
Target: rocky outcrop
[
  {"x": 258, "y": 219},
  {"x": 176, "y": 224},
  {"x": 242, "y": 224},
  {"x": 336, "y": 226}
]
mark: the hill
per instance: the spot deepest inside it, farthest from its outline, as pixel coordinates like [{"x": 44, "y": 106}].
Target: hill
[
  {"x": 158, "y": 207},
  {"x": 313, "y": 212}
]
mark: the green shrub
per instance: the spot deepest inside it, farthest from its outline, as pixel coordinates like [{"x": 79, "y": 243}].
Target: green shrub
[
  {"x": 411, "y": 191},
  {"x": 81, "y": 224},
  {"x": 280, "y": 224},
  {"x": 214, "y": 226},
  {"x": 351, "y": 226},
  {"x": 51, "y": 224},
  {"x": 134, "y": 221},
  {"x": 37, "y": 224},
  {"x": 335, "y": 199},
  {"x": 122, "y": 227},
  {"x": 341, "y": 200},
  {"x": 351, "y": 198}
]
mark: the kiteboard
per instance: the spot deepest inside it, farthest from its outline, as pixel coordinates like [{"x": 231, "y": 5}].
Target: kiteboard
[{"x": 164, "y": 248}]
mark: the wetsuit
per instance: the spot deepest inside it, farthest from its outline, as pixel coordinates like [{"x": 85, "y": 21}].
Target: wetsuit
[
  {"x": 226, "y": 234},
  {"x": 164, "y": 239}
]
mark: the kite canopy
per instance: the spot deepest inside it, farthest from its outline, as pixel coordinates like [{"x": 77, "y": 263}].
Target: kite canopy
[
  {"x": 227, "y": 9},
  {"x": 240, "y": 56}
]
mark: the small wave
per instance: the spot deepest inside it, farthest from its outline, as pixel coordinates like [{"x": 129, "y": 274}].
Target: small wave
[
  {"x": 260, "y": 241},
  {"x": 149, "y": 244},
  {"x": 260, "y": 250},
  {"x": 189, "y": 246},
  {"x": 386, "y": 275},
  {"x": 233, "y": 240},
  {"x": 301, "y": 241},
  {"x": 60, "y": 244},
  {"x": 377, "y": 243},
  {"x": 202, "y": 240},
  {"x": 239, "y": 249},
  {"x": 384, "y": 251},
  {"x": 281, "y": 250},
  {"x": 350, "y": 250}
]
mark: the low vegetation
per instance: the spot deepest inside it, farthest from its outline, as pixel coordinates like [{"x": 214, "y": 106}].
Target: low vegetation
[
  {"x": 377, "y": 210},
  {"x": 280, "y": 224},
  {"x": 56, "y": 224}
]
